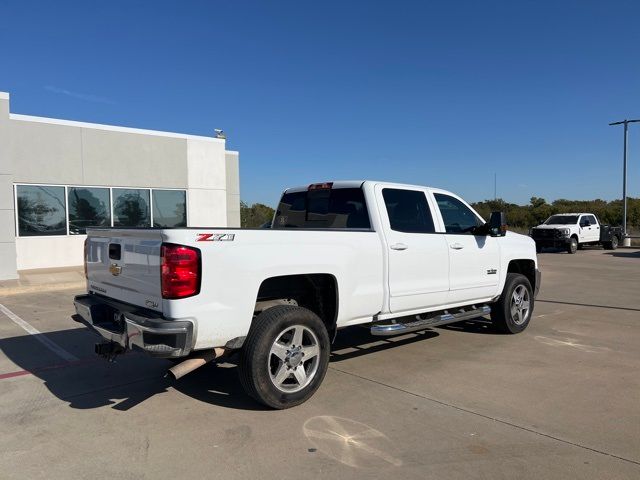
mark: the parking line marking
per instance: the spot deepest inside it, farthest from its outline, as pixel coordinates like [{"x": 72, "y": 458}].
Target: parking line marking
[
  {"x": 58, "y": 350},
  {"x": 488, "y": 417}
]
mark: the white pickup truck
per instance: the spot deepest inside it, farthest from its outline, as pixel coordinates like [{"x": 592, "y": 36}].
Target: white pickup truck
[
  {"x": 572, "y": 231},
  {"x": 400, "y": 258}
]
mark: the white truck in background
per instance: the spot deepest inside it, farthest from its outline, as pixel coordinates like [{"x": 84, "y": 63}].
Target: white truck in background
[
  {"x": 572, "y": 231},
  {"x": 400, "y": 258}
]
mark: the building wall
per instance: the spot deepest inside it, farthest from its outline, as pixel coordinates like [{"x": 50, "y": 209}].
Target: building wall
[
  {"x": 232, "y": 169},
  {"x": 7, "y": 232},
  {"x": 59, "y": 152}
]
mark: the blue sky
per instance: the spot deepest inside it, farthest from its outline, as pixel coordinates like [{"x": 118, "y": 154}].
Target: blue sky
[{"x": 436, "y": 93}]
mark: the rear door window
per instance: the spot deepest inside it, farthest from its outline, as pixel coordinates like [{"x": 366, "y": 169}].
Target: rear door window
[
  {"x": 408, "y": 211},
  {"x": 332, "y": 208}
]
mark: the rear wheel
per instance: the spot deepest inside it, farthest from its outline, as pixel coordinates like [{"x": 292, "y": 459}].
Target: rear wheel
[
  {"x": 572, "y": 246},
  {"x": 285, "y": 356},
  {"x": 512, "y": 312}
]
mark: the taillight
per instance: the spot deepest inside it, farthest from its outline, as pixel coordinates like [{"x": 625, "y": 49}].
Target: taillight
[
  {"x": 86, "y": 256},
  {"x": 180, "y": 271}
]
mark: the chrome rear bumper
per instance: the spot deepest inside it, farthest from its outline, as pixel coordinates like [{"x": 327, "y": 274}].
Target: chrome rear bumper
[{"x": 134, "y": 328}]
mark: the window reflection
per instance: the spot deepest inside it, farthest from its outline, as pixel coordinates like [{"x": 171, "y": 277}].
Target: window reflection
[
  {"x": 41, "y": 210},
  {"x": 169, "y": 208},
  {"x": 88, "y": 207},
  {"x": 131, "y": 207}
]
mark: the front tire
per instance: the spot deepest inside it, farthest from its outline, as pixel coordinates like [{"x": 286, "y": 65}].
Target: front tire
[
  {"x": 285, "y": 356},
  {"x": 572, "y": 246},
  {"x": 512, "y": 312}
]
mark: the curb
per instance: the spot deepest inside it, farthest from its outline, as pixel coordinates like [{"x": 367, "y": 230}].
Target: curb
[{"x": 18, "y": 290}]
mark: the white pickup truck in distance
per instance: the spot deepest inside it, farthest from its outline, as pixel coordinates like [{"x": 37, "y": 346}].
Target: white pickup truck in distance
[
  {"x": 400, "y": 258},
  {"x": 572, "y": 231}
]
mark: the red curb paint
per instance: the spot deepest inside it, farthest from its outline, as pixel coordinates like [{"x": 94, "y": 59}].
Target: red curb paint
[
  {"x": 35, "y": 371},
  {"x": 14, "y": 374}
]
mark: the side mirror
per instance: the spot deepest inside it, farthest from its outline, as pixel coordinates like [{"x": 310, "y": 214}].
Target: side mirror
[{"x": 497, "y": 224}]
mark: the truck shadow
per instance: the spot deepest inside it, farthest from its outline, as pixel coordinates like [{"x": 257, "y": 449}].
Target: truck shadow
[
  {"x": 91, "y": 382},
  {"x": 620, "y": 254},
  {"x": 475, "y": 325}
]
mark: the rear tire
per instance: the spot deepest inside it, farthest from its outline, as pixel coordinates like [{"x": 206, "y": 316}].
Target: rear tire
[
  {"x": 572, "y": 246},
  {"x": 285, "y": 356},
  {"x": 512, "y": 312}
]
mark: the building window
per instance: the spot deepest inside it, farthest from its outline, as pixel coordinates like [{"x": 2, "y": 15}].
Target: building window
[
  {"x": 131, "y": 207},
  {"x": 88, "y": 207},
  {"x": 169, "y": 208},
  {"x": 70, "y": 210},
  {"x": 41, "y": 210}
]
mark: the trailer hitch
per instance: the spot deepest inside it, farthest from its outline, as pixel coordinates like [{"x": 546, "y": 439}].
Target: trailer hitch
[{"x": 109, "y": 350}]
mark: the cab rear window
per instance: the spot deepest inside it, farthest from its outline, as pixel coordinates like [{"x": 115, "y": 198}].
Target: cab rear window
[{"x": 333, "y": 208}]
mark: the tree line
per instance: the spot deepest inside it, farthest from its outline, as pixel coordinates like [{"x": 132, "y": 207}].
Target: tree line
[
  {"x": 538, "y": 210},
  {"x": 518, "y": 216}
]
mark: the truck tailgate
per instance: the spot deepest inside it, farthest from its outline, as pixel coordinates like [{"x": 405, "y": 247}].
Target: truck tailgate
[{"x": 124, "y": 264}]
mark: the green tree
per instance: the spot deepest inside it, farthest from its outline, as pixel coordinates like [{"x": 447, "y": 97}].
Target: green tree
[
  {"x": 252, "y": 216},
  {"x": 538, "y": 210}
]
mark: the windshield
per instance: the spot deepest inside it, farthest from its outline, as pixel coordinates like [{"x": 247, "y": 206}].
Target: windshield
[{"x": 562, "y": 220}]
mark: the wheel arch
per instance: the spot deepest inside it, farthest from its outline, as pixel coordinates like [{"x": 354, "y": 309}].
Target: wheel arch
[
  {"x": 526, "y": 267},
  {"x": 317, "y": 292}
]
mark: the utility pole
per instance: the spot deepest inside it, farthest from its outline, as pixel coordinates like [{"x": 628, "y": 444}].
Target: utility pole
[
  {"x": 624, "y": 177},
  {"x": 495, "y": 186}
]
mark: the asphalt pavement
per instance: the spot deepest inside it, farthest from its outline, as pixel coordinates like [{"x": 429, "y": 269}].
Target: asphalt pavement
[{"x": 561, "y": 400}]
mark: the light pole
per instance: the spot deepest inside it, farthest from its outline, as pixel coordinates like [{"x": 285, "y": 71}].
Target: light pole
[{"x": 624, "y": 177}]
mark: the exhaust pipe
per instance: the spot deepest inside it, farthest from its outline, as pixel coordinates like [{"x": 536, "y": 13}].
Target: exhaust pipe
[{"x": 196, "y": 361}]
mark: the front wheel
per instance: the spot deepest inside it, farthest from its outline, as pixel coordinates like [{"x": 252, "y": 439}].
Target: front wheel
[
  {"x": 572, "y": 246},
  {"x": 512, "y": 312},
  {"x": 285, "y": 356}
]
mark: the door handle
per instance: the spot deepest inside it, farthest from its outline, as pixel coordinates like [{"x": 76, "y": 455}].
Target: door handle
[
  {"x": 457, "y": 246},
  {"x": 398, "y": 246}
]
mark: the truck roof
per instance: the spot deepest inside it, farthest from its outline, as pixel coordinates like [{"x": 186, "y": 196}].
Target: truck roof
[
  {"x": 358, "y": 184},
  {"x": 563, "y": 214}
]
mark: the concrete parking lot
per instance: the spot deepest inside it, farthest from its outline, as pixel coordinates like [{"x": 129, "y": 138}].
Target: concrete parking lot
[{"x": 561, "y": 400}]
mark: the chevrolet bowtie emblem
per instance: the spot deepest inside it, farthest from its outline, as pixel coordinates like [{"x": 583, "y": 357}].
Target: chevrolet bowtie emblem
[{"x": 115, "y": 269}]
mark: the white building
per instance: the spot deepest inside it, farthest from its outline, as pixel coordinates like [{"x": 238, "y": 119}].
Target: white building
[{"x": 57, "y": 177}]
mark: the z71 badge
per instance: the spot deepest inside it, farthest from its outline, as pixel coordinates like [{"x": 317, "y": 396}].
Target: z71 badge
[{"x": 215, "y": 237}]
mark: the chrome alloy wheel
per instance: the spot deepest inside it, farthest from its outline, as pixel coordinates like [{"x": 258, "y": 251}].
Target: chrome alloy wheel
[
  {"x": 520, "y": 305},
  {"x": 294, "y": 358}
]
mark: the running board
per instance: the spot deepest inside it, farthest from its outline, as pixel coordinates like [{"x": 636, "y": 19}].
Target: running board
[{"x": 387, "y": 329}]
